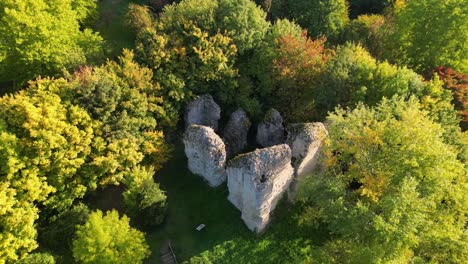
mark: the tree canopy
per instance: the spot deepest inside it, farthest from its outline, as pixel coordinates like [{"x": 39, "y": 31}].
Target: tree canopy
[
  {"x": 319, "y": 17},
  {"x": 43, "y": 37},
  {"x": 392, "y": 189},
  {"x": 43, "y": 144},
  {"x": 431, "y": 33},
  {"x": 109, "y": 239}
]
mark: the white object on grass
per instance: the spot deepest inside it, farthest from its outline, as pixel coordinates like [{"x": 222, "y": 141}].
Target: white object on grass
[{"x": 200, "y": 227}]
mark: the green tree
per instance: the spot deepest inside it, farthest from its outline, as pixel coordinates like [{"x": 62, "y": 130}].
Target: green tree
[
  {"x": 353, "y": 76},
  {"x": 124, "y": 104},
  {"x": 431, "y": 33},
  {"x": 197, "y": 47},
  {"x": 258, "y": 72},
  {"x": 392, "y": 189},
  {"x": 297, "y": 66},
  {"x": 362, "y": 7},
  {"x": 109, "y": 239},
  {"x": 369, "y": 31},
  {"x": 241, "y": 20},
  {"x": 86, "y": 11},
  {"x": 52, "y": 140},
  {"x": 42, "y": 38},
  {"x": 187, "y": 60},
  {"x": 145, "y": 202},
  {"x": 56, "y": 232},
  {"x": 319, "y": 17},
  {"x": 38, "y": 258},
  {"x": 43, "y": 142}
]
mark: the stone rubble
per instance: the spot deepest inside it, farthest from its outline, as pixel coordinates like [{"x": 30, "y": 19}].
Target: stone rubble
[{"x": 206, "y": 154}]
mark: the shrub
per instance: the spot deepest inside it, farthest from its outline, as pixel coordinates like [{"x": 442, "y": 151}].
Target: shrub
[
  {"x": 109, "y": 239},
  {"x": 145, "y": 202}
]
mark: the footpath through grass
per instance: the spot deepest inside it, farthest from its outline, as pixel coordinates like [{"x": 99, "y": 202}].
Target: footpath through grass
[{"x": 225, "y": 239}]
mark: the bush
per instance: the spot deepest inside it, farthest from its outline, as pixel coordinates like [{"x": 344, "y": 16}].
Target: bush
[
  {"x": 109, "y": 239},
  {"x": 145, "y": 202},
  {"x": 58, "y": 232},
  {"x": 368, "y": 30},
  {"x": 319, "y": 17},
  {"x": 38, "y": 258}
]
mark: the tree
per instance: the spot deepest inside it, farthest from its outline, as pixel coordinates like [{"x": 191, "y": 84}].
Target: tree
[
  {"x": 124, "y": 103},
  {"x": 296, "y": 69},
  {"x": 241, "y": 20},
  {"x": 42, "y": 38},
  {"x": 392, "y": 189},
  {"x": 319, "y": 17},
  {"x": 369, "y": 31},
  {"x": 43, "y": 142},
  {"x": 258, "y": 71},
  {"x": 353, "y": 76},
  {"x": 363, "y": 7},
  {"x": 198, "y": 47},
  {"x": 56, "y": 232},
  {"x": 431, "y": 33},
  {"x": 109, "y": 239},
  {"x": 38, "y": 258},
  {"x": 457, "y": 83},
  {"x": 51, "y": 140},
  {"x": 186, "y": 59},
  {"x": 145, "y": 202},
  {"x": 86, "y": 11}
]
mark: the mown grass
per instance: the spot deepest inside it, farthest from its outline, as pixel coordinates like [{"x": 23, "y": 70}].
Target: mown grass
[{"x": 225, "y": 239}]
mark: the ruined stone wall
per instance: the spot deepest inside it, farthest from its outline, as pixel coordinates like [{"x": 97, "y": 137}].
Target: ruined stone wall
[
  {"x": 258, "y": 179},
  {"x": 256, "y": 182},
  {"x": 203, "y": 110},
  {"x": 306, "y": 141},
  {"x": 206, "y": 154}
]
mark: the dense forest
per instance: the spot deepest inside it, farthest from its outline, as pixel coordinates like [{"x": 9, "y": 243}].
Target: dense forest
[{"x": 92, "y": 101}]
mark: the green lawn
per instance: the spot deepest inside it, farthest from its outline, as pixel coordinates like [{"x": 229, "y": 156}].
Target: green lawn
[{"x": 225, "y": 239}]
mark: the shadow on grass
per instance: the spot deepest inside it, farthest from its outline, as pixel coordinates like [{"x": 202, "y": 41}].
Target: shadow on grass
[{"x": 225, "y": 239}]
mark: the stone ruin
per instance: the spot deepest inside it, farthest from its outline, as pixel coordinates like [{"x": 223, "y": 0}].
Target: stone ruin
[
  {"x": 206, "y": 154},
  {"x": 256, "y": 182},
  {"x": 236, "y": 131},
  {"x": 204, "y": 111},
  {"x": 270, "y": 131},
  {"x": 305, "y": 140}
]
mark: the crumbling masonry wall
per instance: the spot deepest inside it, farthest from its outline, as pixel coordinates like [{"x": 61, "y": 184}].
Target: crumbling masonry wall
[
  {"x": 305, "y": 141},
  {"x": 256, "y": 182},
  {"x": 206, "y": 154}
]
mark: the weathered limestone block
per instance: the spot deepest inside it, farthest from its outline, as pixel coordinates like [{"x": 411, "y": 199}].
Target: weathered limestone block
[
  {"x": 203, "y": 111},
  {"x": 256, "y": 182},
  {"x": 305, "y": 140},
  {"x": 235, "y": 132},
  {"x": 206, "y": 154},
  {"x": 271, "y": 131}
]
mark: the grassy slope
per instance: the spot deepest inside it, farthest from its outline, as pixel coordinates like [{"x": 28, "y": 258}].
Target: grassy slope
[{"x": 225, "y": 238}]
